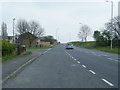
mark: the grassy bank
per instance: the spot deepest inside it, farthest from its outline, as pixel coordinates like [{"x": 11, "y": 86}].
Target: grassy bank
[
  {"x": 92, "y": 45},
  {"x": 11, "y": 56}
]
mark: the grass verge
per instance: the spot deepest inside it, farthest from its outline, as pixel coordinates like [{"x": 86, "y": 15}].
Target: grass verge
[
  {"x": 45, "y": 47},
  {"x": 91, "y": 45},
  {"x": 11, "y": 56}
]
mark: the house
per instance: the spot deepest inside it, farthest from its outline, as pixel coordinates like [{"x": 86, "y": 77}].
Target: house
[
  {"x": 27, "y": 39},
  {"x": 40, "y": 42}
]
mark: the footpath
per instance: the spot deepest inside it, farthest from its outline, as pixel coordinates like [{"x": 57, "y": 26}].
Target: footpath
[{"x": 10, "y": 67}]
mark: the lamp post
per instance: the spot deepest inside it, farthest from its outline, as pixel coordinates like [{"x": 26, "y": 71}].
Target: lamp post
[
  {"x": 111, "y": 21},
  {"x": 13, "y": 32}
]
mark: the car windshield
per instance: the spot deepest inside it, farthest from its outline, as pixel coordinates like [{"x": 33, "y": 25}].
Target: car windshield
[{"x": 69, "y": 44}]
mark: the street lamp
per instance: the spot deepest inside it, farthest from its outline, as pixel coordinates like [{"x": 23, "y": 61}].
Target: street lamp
[
  {"x": 13, "y": 32},
  {"x": 111, "y": 20}
]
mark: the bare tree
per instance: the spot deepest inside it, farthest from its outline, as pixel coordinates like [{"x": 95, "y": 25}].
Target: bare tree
[
  {"x": 22, "y": 26},
  {"x": 4, "y": 33},
  {"x": 33, "y": 27},
  {"x": 29, "y": 31},
  {"x": 114, "y": 26},
  {"x": 80, "y": 36},
  {"x": 84, "y": 32},
  {"x": 36, "y": 29}
]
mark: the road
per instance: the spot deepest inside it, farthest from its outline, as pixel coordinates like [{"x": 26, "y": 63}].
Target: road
[{"x": 61, "y": 68}]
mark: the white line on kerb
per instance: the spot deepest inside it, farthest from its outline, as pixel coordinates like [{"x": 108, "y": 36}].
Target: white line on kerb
[
  {"x": 84, "y": 66},
  {"x": 72, "y": 57},
  {"x": 78, "y": 62},
  {"x": 92, "y": 72},
  {"x": 108, "y": 82},
  {"x": 47, "y": 50}
]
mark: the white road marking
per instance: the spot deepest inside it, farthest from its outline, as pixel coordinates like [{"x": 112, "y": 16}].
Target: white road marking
[
  {"x": 75, "y": 59},
  {"x": 92, "y": 72},
  {"x": 105, "y": 55},
  {"x": 108, "y": 82},
  {"x": 95, "y": 54},
  {"x": 98, "y": 55},
  {"x": 112, "y": 59},
  {"x": 84, "y": 66},
  {"x": 109, "y": 58},
  {"x": 47, "y": 50},
  {"x": 69, "y": 54},
  {"x": 116, "y": 60},
  {"x": 78, "y": 62}
]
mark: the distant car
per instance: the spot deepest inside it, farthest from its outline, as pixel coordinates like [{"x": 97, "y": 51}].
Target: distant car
[{"x": 69, "y": 46}]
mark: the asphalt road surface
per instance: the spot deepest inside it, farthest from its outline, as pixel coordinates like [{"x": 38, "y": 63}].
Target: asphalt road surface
[{"x": 61, "y": 68}]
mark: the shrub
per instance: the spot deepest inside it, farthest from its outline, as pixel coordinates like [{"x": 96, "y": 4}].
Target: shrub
[{"x": 7, "y": 48}]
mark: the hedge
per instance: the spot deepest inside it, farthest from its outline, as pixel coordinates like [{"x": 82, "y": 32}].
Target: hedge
[{"x": 7, "y": 48}]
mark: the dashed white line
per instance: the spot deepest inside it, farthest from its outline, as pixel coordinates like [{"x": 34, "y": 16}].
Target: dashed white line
[
  {"x": 116, "y": 60},
  {"x": 84, "y": 66},
  {"x": 112, "y": 59},
  {"x": 109, "y": 58},
  {"x": 108, "y": 82},
  {"x": 75, "y": 59},
  {"x": 98, "y": 55},
  {"x": 92, "y": 72},
  {"x": 105, "y": 55},
  {"x": 78, "y": 62},
  {"x": 69, "y": 54}
]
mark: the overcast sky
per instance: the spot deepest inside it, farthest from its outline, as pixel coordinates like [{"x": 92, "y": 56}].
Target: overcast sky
[{"x": 63, "y": 17}]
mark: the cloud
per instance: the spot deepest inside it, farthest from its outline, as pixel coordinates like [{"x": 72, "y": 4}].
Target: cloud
[{"x": 64, "y": 16}]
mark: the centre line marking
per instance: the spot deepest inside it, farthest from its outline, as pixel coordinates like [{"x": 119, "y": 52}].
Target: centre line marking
[
  {"x": 108, "y": 82},
  {"x": 75, "y": 59},
  {"x": 92, "y": 72},
  {"x": 84, "y": 66},
  {"x": 78, "y": 62},
  {"x": 116, "y": 60},
  {"x": 109, "y": 58}
]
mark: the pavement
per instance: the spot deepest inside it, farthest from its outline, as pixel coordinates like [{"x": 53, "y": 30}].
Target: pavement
[
  {"x": 61, "y": 68},
  {"x": 10, "y": 66}
]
